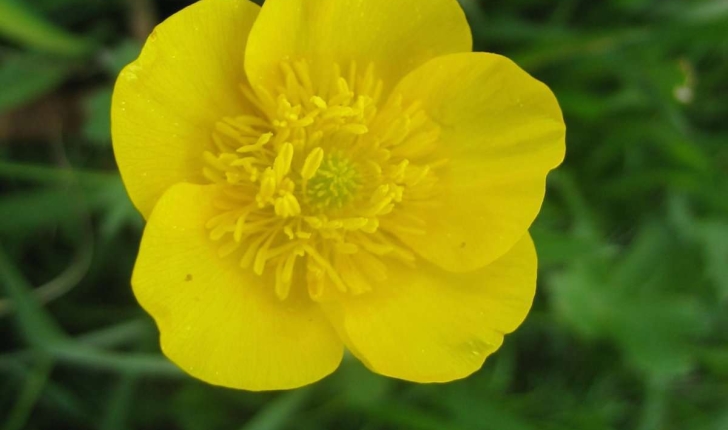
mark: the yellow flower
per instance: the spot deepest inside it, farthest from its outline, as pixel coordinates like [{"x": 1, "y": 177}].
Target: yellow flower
[{"x": 321, "y": 174}]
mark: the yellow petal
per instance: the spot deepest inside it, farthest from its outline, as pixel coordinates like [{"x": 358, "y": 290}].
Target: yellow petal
[
  {"x": 502, "y": 131},
  {"x": 167, "y": 102},
  {"x": 428, "y": 325},
  {"x": 394, "y": 36},
  {"x": 218, "y": 322}
]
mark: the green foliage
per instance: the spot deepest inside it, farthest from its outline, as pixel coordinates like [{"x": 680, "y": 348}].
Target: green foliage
[
  {"x": 629, "y": 326},
  {"x": 20, "y": 23},
  {"x": 27, "y": 76}
]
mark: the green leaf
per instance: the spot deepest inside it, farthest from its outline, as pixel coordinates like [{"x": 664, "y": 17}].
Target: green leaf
[
  {"x": 98, "y": 117},
  {"x": 30, "y": 393},
  {"x": 358, "y": 385},
  {"x": 20, "y": 23},
  {"x": 77, "y": 354},
  {"x": 714, "y": 237},
  {"x": 26, "y": 77},
  {"x": 119, "y": 406},
  {"x": 26, "y": 212},
  {"x": 34, "y": 322},
  {"x": 556, "y": 247},
  {"x": 278, "y": 413},
  {"x": 43, "y": 174},
  {"x": 628, "y": 301},
  {"x": 70, "y": 194}
]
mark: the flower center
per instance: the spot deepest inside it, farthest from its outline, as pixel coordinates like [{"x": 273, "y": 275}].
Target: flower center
[
  {"x": 323, "y": 178},
  {"x": 335, "y": 183}
]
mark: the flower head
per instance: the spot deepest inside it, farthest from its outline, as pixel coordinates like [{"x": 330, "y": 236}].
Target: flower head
[{"x": 326, "y": 173}]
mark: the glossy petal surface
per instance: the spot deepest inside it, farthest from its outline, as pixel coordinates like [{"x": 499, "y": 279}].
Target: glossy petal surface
[
  {"x": 166, "y": 103},
  {"x": 394, "y": 36},
  {"x": 427, "y": 325},
  {"x": 502, "y": 131},
  {"x": 218, "y": 322}
]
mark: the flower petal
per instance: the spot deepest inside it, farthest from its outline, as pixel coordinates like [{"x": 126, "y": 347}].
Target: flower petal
[
  {"x": 394, "y": 36},
  {"x": 428, "y": 325},
  {"x": 167, "y": 102},
  {"x": 502, "y": 131},
  {"x": 218, "y": 322}
]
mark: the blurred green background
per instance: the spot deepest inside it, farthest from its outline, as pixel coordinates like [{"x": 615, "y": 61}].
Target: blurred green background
[{"x": 630, "y": 323}]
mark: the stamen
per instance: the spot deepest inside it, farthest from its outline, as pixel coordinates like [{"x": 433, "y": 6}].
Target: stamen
[
  {"x": 312, "y": 163},
  {"x": 282, "y": 164},
  {"x": 323, "y": 173}
]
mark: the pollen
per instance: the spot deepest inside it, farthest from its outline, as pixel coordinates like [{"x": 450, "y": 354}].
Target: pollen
[{"x": 318, "y": 183}]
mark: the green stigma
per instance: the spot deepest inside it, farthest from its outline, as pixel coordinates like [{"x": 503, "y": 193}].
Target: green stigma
[{"x": 335, "y": 183}]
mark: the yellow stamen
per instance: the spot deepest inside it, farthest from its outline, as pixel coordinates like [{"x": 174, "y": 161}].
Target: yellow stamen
[
  {"x": 325, "y": 176},
  {"x": 312, "y": 163}
]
